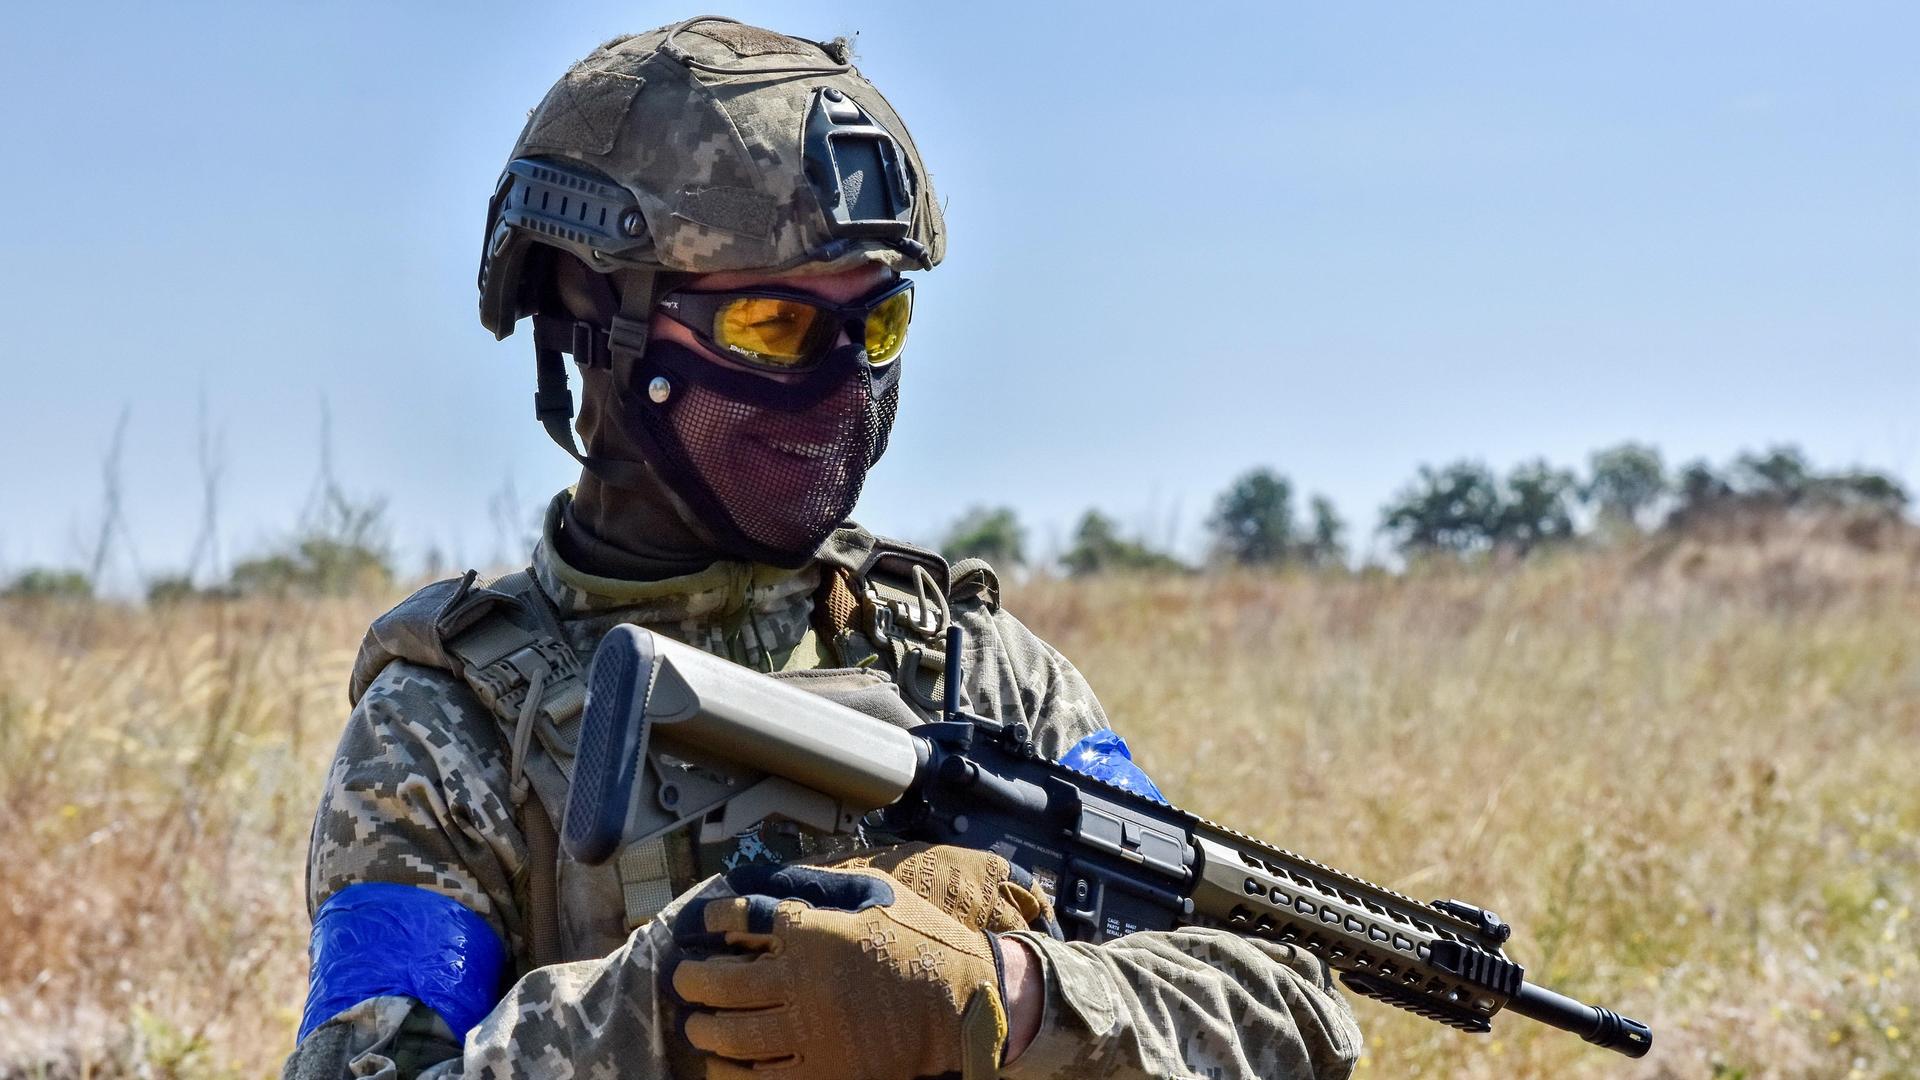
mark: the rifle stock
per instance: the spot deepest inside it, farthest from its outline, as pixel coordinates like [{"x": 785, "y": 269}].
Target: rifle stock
[{"x": 672, "y": 736}]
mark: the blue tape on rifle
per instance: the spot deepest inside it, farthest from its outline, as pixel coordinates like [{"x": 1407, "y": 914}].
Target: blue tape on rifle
[
  {"x": 376, "y": 939},
  {"x": 1103, "y": 755}
]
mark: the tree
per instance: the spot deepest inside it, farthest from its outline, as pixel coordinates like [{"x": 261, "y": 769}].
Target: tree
[
  {"x": 1778, "y": 482},
  {"x": 1462, "y": 509},
  {"x": 1627, "y": 480},
  {"x": 1700, "y": 490},
  {"x": 1867, "y": 490},
  {"x": 1782, "y": 475},
  {"x": 341, "y": 551},
  {"x": 1094, "y": 542},
  {"x": 993, "y": 534},
  {"x": 171, "y": 589},
  {"x": 1326, "y": 544},
  {"x": 1098, "y": 548},
  {"x": 1455, "y": 509},
  {"x": 1535, "y": 508},
  {"x": 1253, "y": 522},
  {"x": 40, "y": 583}
]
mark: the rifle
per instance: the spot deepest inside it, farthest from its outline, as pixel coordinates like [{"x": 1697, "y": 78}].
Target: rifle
[{"x": 672, "y": 735}]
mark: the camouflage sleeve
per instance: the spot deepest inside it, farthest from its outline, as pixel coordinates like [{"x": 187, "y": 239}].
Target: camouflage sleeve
[
  {"x": 1017, "y": 676},
  {"x": 419, "y": 795},
  {"x": 589, "y": 1018},
  {"x": 601, "y": 1017},
  {"x": 1188, "y": 1003}
]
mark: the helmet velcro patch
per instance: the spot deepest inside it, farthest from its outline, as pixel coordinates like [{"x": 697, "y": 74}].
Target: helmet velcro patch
[
  {"x": 737, "y": 210},
  {"x": 747, "y": 40},
  {"x": 584, "y": 111}
]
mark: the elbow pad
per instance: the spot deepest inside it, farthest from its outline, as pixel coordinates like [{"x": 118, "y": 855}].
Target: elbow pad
[
  {"x": 1103, "y": 755},
  {"x": 376, "y": 939}
]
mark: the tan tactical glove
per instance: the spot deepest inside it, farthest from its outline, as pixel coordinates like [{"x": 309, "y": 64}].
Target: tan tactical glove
[
  {"x": 821, "y": 974},
  {"x": 978, "y": 888}
]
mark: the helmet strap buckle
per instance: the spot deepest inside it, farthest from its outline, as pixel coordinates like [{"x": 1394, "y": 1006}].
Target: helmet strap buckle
[
  {"x": 585, "y": 338},
  {"x": 628, "y": 336}
]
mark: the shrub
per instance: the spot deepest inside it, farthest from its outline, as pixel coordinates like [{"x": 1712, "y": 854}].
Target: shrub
[
  {"x": 1098, "y": 548},
  {"x": 993, "y": 534},
  {"x": 41, "y": 583}
]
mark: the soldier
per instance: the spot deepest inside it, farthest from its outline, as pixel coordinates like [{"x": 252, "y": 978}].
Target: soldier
[{"x": 712, "y": 220}]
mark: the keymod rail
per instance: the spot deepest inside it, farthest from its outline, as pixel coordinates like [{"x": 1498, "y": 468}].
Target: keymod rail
[{"x": 675, "y": 737}]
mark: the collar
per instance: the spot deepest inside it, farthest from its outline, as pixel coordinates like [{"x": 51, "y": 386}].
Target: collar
[{"x": 723, "y": 589}]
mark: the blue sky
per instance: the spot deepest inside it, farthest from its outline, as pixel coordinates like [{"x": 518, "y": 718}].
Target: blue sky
[{"x": 1340, "y": 240}]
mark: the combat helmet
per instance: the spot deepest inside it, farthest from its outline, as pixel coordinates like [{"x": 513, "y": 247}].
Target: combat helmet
[{"x": 704, "y": 146}]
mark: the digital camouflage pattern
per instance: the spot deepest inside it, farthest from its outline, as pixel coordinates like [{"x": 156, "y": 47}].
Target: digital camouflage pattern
[
  {"x": 420, "y": 794},
  {"x": 703, "y": 124}
]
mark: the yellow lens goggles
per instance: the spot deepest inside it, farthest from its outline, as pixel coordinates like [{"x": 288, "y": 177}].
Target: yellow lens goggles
[{"x": 788, "y": 330}]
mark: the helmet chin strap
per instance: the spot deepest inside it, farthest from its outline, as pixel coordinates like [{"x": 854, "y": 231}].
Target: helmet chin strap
[
  {"x": 553, "y": 339},
  {"x": 616, "y": 349}
]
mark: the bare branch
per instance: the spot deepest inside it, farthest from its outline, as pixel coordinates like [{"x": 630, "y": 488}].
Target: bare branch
[
  {"x": 111, "y": 498},
  {"x": 211, "y": 454}
]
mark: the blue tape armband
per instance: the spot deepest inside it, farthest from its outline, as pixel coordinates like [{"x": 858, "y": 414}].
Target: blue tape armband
[
  {"x": 375, "y": 939},
  {"x": 1103, "y": 755}
]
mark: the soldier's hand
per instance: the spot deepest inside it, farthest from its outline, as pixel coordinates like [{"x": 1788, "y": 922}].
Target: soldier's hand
[
  {"x": 978, "y": 888},
  {"x": 827, "y": 974}
]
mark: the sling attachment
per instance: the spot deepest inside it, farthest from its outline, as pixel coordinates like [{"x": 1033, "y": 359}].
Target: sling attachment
[
  {"x": 886, "y": 604},
  {"x": 836, "y": 642},
  {"x": 543, "y": 883},
  {"x": 505, "y": 640},
  {"x": 543, "y": 852},
  {"x": 522, "y": 732},
  {"x": 904, "y": 608}
]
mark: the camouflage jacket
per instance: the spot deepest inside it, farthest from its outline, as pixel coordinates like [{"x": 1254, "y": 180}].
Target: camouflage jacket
[{"x": 421, "y": 793}]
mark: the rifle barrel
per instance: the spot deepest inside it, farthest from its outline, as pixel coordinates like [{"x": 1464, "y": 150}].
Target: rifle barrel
[{"x": 1601, "y": 1027}]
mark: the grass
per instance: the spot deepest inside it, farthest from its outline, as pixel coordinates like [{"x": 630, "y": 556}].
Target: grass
[{"x": 1687, "y": 777}]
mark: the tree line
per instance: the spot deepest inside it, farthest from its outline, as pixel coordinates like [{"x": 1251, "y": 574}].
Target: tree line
[{"x": 1464, "y": 509}]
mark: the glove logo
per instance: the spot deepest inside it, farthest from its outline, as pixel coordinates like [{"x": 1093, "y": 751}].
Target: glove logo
[
  {"x": 926, "y": 961},
  {"x": 877, "y": 939}
]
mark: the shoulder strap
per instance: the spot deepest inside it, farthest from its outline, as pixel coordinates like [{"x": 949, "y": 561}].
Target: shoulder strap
[
  {"x": 510, "y": 648},
  {"x": 405, "y": 633},
  {"x": 889, "y": 603},
  {"x": 505, "y": 640}
]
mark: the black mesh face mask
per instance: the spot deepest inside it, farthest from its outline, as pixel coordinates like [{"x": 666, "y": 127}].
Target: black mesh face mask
[{"x": 770, "y": 466}]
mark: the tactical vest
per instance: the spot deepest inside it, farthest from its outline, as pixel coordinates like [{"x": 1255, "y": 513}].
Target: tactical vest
[{"x": 879, "y": 616}]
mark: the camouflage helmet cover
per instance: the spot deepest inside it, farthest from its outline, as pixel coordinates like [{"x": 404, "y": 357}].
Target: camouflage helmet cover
[{"x": 698, "y": 148}]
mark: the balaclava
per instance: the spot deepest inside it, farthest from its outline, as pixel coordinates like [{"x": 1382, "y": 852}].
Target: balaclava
[{"x": 703, "y": 147}]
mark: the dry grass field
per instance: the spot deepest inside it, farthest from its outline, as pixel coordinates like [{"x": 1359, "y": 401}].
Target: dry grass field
[{"x": 1688, "y": 777}]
